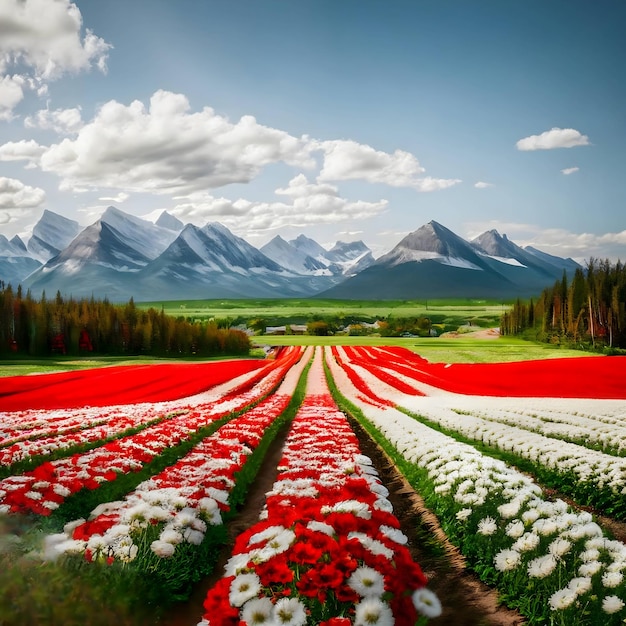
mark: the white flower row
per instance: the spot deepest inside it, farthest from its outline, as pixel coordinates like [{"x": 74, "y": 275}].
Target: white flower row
[{"x": 456, "y": 412}]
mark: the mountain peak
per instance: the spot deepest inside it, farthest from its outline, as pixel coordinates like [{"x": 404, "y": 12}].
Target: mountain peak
[
  {"x": 51, "y": 234},
  {"x": 167, "y": 220}
]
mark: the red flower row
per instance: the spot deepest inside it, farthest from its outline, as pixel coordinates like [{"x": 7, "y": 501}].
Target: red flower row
[{"x": 329, "y": 549}]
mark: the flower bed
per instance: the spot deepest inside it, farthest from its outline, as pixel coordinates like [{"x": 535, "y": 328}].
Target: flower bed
[
  {"x": 590, "y": 476},
  {"x": 511, "y": 535},
  {"x": 328, "y": 549},
  {"x": 43, "y": 489},
  {"x": 581, "y": 377},
  {"x": 170, "y": 526},
  {"x": 121, "y": 384}
]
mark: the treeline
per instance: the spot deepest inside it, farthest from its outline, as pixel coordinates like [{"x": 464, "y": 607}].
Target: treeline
[
  {"x": 67, "y": 326},
  {"x": 588, "y": 312}
]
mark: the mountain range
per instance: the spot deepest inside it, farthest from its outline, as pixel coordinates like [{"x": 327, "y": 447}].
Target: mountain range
[{"x": 120, "y": 256}]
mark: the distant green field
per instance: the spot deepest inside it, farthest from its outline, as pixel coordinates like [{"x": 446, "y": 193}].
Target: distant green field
[
  {"x": 304, "y": 308},
  {"x": 464, "y": 349}
]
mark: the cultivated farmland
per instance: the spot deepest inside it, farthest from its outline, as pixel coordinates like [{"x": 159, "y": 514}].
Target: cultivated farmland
[{"x": 517, "y": 472}]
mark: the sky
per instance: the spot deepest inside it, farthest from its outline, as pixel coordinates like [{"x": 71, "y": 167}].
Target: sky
[{"x": 339, "y": 119}]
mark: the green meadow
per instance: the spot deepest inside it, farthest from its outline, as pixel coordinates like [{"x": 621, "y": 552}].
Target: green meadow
[{"x": 298, "y": 311}]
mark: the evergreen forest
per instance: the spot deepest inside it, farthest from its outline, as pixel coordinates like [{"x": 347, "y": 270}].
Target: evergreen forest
[
  {"x": 588, "y": 311},
  {"x": 78, "y": 327}
]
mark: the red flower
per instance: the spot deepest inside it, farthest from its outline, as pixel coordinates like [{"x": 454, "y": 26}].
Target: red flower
[{"x": 274, "y": 571}]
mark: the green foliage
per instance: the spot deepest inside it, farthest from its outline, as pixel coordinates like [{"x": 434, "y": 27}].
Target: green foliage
[
  {"x": 589, "y": 313},
  {"x": 88, "y": 326}
]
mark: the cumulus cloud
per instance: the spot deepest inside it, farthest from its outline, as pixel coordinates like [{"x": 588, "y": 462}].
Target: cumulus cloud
[
  {"x": 46, "y": 36},
  {"x": 307, "y": 204},
  {"x": 165, "y": 148},
  {"x": 349, "y": 160},
  {"x": 554, "y": 138},
  {"x": 11, "y": 94},
  {"x": 482, "y": 185},
  {"x": 22, "y": 150},
  {"x": 569, "y": 170},
  {"x": 18, "y": 199},
  {"x": 61, "y": 121},
  {"x": 40, "y": 41}
]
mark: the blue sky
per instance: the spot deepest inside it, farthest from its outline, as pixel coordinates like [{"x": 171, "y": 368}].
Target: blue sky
[{"x": 340, "y": 119}]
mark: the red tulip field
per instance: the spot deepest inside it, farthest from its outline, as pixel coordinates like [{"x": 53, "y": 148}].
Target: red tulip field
[{"x": 133, "y": 477}]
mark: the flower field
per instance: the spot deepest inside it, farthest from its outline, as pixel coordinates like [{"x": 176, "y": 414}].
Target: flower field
[{"x": 138, "y": 473}]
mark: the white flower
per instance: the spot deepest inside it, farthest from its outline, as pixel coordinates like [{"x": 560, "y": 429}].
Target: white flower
[
  {"x": 487, "y": 526},
  {"x": 612, "y": 579},
  {"x": 162, "y": 548},
  {"x": 257, "y": 611},
  {"x": 559, "y": 547},
  {"x": 195, "y": 537},
  {"x": 515, "y": 529},
  {"x": 243, "y": 588},
  {"x": 426, "y": 603},
  {"x": 463, "y": 514},
  {"x": 545, "y": 527},
  {"x": 169, "y": 535},
  {"x": 395, "y": 534},
  {"x": 542, "y": 566},
  {"x": 612, "y": 604},
  {"x": 528, "y": 541},
  {"x": 562, "y": 599},
  {"x": 373, "y": 612},
  {"x": 580, "y": 585},
  {"x": 367, "y": 582},
  {"x": 509, "y": 509},
  {"x": 507, "y": 560},
  {"x": 373, "y": 545},
  {"x": 321, "y": 527},
  {"x": 269, "y": 533},
  {"x": 289, "y": 612},
  {"x": 590, "y": 568}
]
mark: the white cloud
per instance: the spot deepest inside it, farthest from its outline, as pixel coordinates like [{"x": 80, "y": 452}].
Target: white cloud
[
  {"x": 168, "y": 149},
  {"x": 11, "y": 94},
  {"x": 569, "y": 170},
  {"x": 349, "y": 160},
  {"x": 551, "y": 139},
  {"x": 61, "y": 121},
  {"x": 22, "y": 150},
  {"x": 118, "y": 199},
  {"x": 17, "y": 199},
  {"x": 46, "y": 36},
  {"x": 41, "y": 40},
  {"x": 307, "y": 204},
  {"x": 482, "y": 185}
]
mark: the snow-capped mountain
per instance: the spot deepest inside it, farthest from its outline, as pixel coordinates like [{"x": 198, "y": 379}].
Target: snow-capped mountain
[
  {"x": 15, "y": 260},
  {"x": 51, "y": 234},
  {"x": 97, "y": 260},
  {"x": 212, "y": 262},
  {"x": 351, "y": 257},
  {"x": 434, "y": 262},
  {"x": 305, "y": 256},
  {"x": 167, "y": 220},
  {"x": 120, "y": 256},
  {"x": 309, "y": 247},
  {"x": 293, "y": 258}
]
